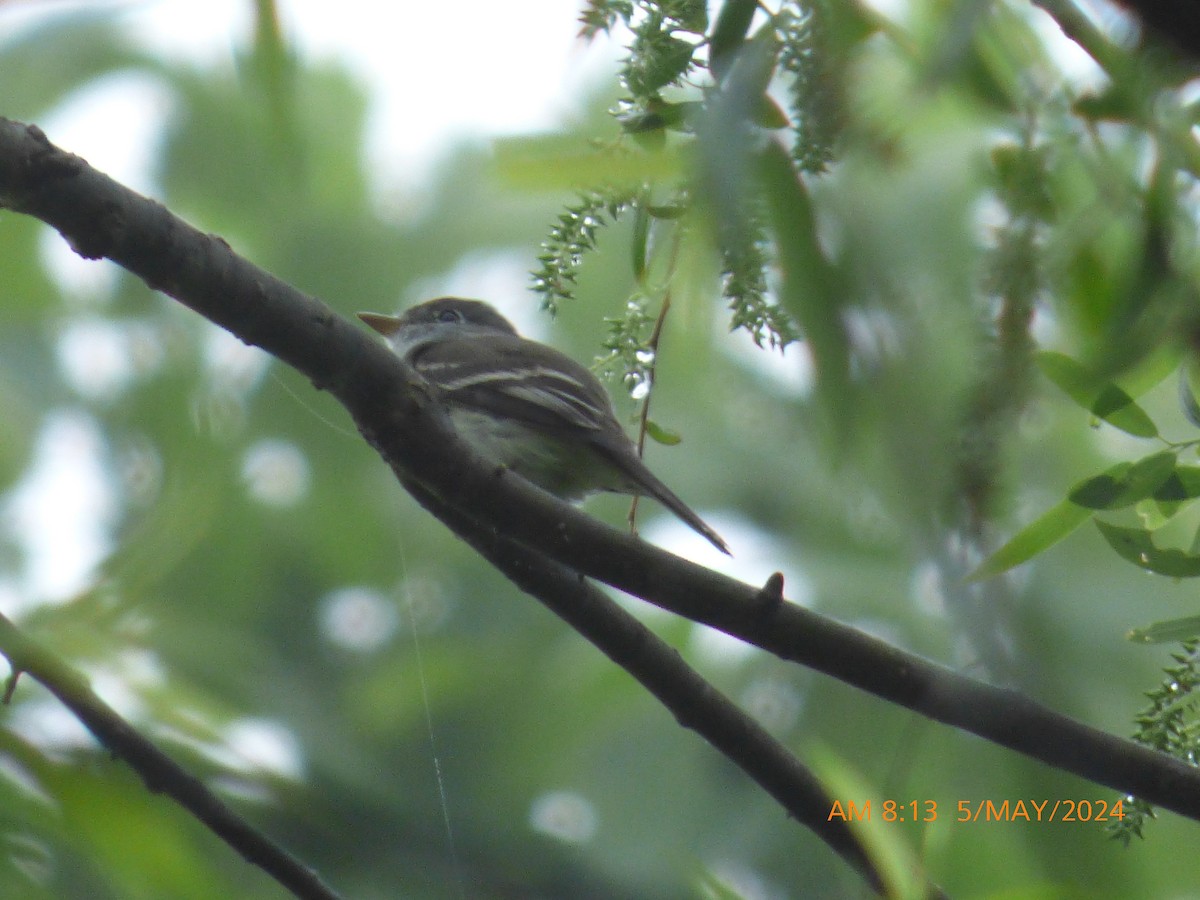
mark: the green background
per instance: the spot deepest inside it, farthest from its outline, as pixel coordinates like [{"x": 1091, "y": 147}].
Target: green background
[{"x": 217, "y": 614}]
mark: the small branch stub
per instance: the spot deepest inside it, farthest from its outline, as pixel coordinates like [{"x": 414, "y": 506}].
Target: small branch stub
[
  {"x": 10, "y": 686},
  {"x": 770, "y": 595}
]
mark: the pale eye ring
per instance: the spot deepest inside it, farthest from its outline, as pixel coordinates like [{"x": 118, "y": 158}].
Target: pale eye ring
[{"x": 449, "y": 315}]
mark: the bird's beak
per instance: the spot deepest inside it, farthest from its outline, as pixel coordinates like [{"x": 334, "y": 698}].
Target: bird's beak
[{"x": 385, "y": 325}]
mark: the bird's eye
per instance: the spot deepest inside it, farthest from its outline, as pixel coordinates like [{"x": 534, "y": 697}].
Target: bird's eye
[{"x": 449, "y": 315}]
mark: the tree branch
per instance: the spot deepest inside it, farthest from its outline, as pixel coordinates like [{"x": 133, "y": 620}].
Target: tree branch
[
  {"x": 695, "y": 703},
  {"x": 160, "y": 773},
  {"x": 494, "y": 508},
  {"x": 101, "y": 218},
  {"x": 1177, "y": 22}
]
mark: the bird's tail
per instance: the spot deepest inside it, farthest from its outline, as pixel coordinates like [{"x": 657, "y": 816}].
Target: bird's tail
[{"x": 649, "y": 485}]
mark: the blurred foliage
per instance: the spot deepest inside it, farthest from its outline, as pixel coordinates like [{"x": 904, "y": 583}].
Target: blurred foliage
[
  {"x": 905, "y": 210},
  {"x": 1169, "y": 725},
  {"x": 671, "y": 106}
]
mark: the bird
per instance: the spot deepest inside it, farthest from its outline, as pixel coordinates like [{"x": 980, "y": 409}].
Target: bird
[{"x": 524, "y": 404}]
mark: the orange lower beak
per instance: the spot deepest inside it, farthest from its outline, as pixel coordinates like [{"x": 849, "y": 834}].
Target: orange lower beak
[{"x": 385, "y": 325}]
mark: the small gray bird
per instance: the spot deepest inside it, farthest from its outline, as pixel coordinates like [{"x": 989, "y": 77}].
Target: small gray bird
[{"x": 524, "y": 404}]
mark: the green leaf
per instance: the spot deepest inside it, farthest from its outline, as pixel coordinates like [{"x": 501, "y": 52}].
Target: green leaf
[
  {"x": 891, "y": 856},
  {"x": 1167, "y": 632},
  {"x": 1125, "y": 483},
  {"x": 638, "y": 244},
  {"x": 811, "y": 288},
  {"x": 666, "y": 212},
  {"x": 665, "y": 61},
  {"x": 1104, "y": 400},
  {"x": 1098, "y": 491},
  {"x": 1189, "y": 371},
  {"x": 1182, "y": 484},
  {"x": 733, "y": 24},
  {"x": 559, "y": 162},
  {"x": 1072, "y": 378},
  {"x": 1154, "y": 514},
  {"x": 662, "y": 435},
  {"x": 692, "y": 15},
  {"x": 1137, "y": 546},
  {"x": 1194, "y": 546},
  {"x": 658, "y": 114},
  {"x": 1119, "y": 409},
  {"x": 769, "y": 114},
  {"x": 1116, "y": 103},
  {"x": 1039, "y": 535},
  {"x": 1146, "y": 374},
  {"x": 1021, "y": 172}
]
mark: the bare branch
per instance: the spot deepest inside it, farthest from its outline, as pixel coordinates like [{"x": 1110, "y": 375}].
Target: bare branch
[
  {"x": 695, "y": 703},
  {"x": 160, "y": 773}
]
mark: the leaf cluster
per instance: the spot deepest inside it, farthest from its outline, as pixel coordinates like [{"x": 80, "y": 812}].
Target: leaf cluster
[
  {"x": 1132, "y": 503},
  {"x": 1171, "y": 723},
  {"x": 706, "y": 88},
  {"x": 571, "y": 237},
  {"x": 1158, "y": 487}
]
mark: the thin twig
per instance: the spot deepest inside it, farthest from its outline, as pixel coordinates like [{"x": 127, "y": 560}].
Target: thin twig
[
  {"x": 160, "y": 773},
  {"x": 644, "y": 411}
]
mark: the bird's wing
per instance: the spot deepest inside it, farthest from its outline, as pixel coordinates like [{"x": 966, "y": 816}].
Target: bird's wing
[{"x": 516, "y": 379}]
